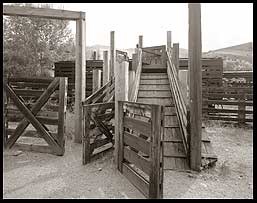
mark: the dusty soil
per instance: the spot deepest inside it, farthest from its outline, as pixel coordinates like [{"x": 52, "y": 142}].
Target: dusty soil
[{"x": 38, "y": 175}]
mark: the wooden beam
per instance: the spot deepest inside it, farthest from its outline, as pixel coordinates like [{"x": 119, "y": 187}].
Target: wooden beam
[
  {"x": 105, "y": 68},
  {"x": 169, "y": 42},
  {"x": 195, "y": 69},
  {"x": 80, "y": 76},
  {"x": 140, "y": 41},
  {"x": 121, "y": 94},
  {"x": 41, "y": 12},
  {"x": 96, "y": 76},
  {"x": 175, "y": 56},
  {"x": 112, "y": 56}
]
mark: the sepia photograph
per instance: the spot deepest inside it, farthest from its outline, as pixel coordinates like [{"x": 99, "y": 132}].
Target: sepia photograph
[{"x": 127, "y": 100}]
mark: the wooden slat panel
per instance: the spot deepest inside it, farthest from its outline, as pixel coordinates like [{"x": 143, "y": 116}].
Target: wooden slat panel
[
  {"x": 137, "y": 143},
  {"x": 35, "y": 148},
  {"x": 138, "y": 181},
  {"x": 137, "y": 125},
  {"x": 137, "y": 160},
  {"x": 158, "y": 101},
  {"x": 247, "y": 103}
]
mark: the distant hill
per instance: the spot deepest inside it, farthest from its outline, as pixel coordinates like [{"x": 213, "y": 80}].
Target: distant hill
[{"x": 239, "y": 57}]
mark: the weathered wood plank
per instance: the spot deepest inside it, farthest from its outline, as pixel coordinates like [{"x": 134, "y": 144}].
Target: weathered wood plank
[
  {"x": 138, "y": 181},
  {"x": 138, "y": 143},
  {"x": 138, "y": 125},
  {"x": 140, "y": 162}
]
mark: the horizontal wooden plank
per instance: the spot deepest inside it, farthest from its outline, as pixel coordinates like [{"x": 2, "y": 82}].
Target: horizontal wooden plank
[
  {"x": 35, "y": 148},
  {"x": 226, "y": 110},
  {"x": 157, "y": 101},
  {"x": 41, "y": 119},
  {"x": 229, "y": 102},
  {"x": 153, "y": 93},
  {"x": 31, "y": 79},
  {"x": 137, "y": 180},
  {"x": 154, "y": 87},
  {"x": 139, "y": 162},
  {"x": 228, "y": 118},
  {"x": 29, "y": 133},
  {"x": 137, "y": 125},
  {"x": 154, "y": 82},
  {"x": 136, "y": 142},
  {"x": 42, "y": 12}
]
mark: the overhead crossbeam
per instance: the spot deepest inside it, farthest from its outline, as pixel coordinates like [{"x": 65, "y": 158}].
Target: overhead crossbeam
[{"x": 41, "y": 12}]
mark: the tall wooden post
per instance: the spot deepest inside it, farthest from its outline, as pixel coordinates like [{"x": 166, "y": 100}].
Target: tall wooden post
[
  {"x": 80, "y": 75},
  {"x": 105, "y": 68},
  {"x": 121, "y": 94},
  {"x": 169, "y": 39},
  {"x": 140, "y": 41},
  {"x": 195, "y": 69},
  {"x": 96, "y": 77},
  {"x": 175, "y": 56},
  {"x": 112, "y": 56}
]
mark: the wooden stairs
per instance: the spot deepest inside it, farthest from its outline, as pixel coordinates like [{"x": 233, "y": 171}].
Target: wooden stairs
[{"x": 154, "y": 88}]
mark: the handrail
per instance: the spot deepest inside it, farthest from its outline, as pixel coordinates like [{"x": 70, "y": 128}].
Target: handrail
[
  {"x": 96, "y": 94},
  {"x": 179, "y": 101},
  {"x": 134, "y": 91}
]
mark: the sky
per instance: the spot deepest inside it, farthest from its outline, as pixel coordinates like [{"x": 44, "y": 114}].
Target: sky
[{"x": 223, "y": 25}]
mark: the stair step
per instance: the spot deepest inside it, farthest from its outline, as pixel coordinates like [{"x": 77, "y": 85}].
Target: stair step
[
  {"x": 173, "y": 148},
  {"x": 154, "y": 82},
  {"x": 154, "y": 66},
  {"x": 159, "y": 101},
  {"x": 154, "y": 75},
  {"x": 174, "y": 140},
  {"x": 173, "y": 163},
  {"x": 153, "y": 93},
  {"x": 154, "y": 87},
  {"x": 170, "y": 121},
  {"x": 176, "y": 156}
]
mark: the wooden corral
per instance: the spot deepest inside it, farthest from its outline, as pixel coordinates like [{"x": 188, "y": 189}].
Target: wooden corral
[
  {"x": 67, "y": 69},
  {"x": 40, "y": 102},
  {"x": 233, "y": 101}
]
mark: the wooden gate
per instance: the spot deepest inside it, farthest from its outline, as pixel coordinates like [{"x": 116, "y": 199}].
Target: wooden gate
[
  {"x": 98, "y": 112},
  {"x": 140, "y": 151},
  {"x": 40, "y": 102},
  {"x": 154, "y": 55}
]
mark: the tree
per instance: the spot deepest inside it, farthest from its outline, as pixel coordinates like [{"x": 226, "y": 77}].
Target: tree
[{"x": 32, "y": 45}]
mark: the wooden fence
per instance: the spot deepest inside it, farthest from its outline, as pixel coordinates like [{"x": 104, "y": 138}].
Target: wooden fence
[
  {"x": 40, "y": 102},
  {"x": 67, "y": 69},
  {"x": 233, "y": 101},
  {"x": 140, "y": 152},
  {"x": 98, "y": 112}
]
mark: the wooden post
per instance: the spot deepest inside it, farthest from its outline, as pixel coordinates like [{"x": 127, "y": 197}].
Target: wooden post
[
  {"x": 169, "y": 40},
  {"x": 80, "y": 75},
  {"x": 86, "y": 140},
  {"x": 175, "y": 56},
  {"x": 105, "y": 68},
  {"x": 195, "y": 69},
  {"x": 112, "y": 56},
  {"x": 140, "y": 41},
  {"x": 155, "y": 150},
  {"x": 121, "y": 94},
  {"x": 241, "y": 108},
  {"x": 96, "y": 76},
  {"x": 63, "y": 87},
  {"x": 120, "y": 127}
]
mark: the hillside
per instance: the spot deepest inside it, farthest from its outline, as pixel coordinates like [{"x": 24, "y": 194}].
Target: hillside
[{"x": 239, "y": 57}]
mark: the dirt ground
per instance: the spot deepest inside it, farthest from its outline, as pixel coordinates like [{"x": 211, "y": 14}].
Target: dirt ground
[{"x": 38, "y": 175}]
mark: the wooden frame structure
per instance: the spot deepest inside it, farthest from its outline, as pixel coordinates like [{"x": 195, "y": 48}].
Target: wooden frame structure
[
  {"x": 80, "y": 76},
  {"x": 40, "y": 102}
]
